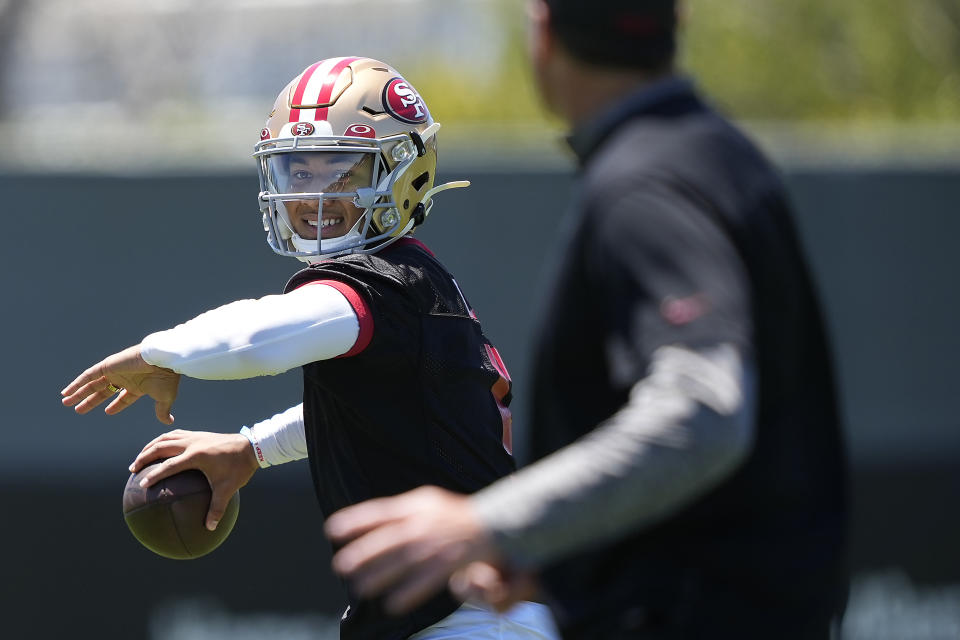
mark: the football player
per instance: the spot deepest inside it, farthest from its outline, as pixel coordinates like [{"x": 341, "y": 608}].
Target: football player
[{"x": 400, "y": 386}]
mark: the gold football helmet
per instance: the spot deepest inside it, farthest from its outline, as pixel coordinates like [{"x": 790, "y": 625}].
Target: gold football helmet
[{"x": 347, "y": 160}]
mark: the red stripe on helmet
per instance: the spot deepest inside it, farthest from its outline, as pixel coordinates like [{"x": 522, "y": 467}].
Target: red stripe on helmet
[
  {"x": 301, "y": 88},
  {"x": 326, "y": 90}
]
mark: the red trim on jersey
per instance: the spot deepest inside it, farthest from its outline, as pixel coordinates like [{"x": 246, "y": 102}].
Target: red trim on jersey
[
  {"x": 301, "y": 88},
  {"x": 497, "y": 361},
  {"x": 326, "y": 89},
  {"x": 500, "y": 389},
  {"x": 360, "y": 307},
  {"x": 406, "y": 240}
]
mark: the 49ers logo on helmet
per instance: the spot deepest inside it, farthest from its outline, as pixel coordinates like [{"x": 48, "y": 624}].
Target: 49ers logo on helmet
[
  {"x": 404, "y": 103},
  {"x": 302, "y": 129}
]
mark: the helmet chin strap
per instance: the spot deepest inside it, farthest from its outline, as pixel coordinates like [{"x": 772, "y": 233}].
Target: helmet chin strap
[
  {"x": 427, "y": 201},
  {"x": 279, "y": 215},
  {"x": 349, "y": 240},
  {"x": 456, "y": 184},
  {"x": 430, "y": 131}
]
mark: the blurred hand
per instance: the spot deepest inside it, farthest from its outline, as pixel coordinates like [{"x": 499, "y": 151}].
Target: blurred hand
[
  {"x": 227, "y": 459},
  {"x": 491, "y": 585},
  {"x": 135, "y": 378},
  {"x": 407, "y": 547}
]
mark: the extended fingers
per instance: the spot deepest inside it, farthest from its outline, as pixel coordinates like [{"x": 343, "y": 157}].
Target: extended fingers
[
  {"x": 169, "y": 435},
  {"x": 365, "y": 553},
  {"x": 166, "y": 446},
  {"x": 352, "y": 522},
  {"x": 398, "y": 561},
  {"x": 92, "y": 374},
  {"x": 84, "y": 397},
  {"x": 356, "y": 520},
  {"x": 418, "y": 585},
  {"x": 382, "y": 560},
  {"x": 123, "y": 400},
  {"x": 165, "y": 469},
  {"x": 218, "y": 505}
]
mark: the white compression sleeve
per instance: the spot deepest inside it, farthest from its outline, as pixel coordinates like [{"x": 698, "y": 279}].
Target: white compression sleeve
[
  {"x": 686, "y": 426},
  {"x": 278, "y": 439},
  {"x": 260, "y": 337}
]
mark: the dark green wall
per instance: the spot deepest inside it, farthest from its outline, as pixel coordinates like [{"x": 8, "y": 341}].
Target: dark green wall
[{"x": 91, "y": 264}]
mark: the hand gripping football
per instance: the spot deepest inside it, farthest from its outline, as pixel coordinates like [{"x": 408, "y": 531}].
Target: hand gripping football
[{"x": 169, "y": 517}]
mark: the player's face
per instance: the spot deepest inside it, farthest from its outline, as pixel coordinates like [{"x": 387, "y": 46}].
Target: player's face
[{"x": 326, "y": 173}]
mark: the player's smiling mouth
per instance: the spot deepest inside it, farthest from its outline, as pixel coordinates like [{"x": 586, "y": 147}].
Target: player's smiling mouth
[
  {"x": 328, "y": 225},
  {"x": 328, "y": 222}
]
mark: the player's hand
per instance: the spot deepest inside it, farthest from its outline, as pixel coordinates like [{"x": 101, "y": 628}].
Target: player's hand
[
  {"x": 227, "y": 459},
  {"x": 407, "y": 547},
  {"x": 128, "y": 371},
  {"x": 494, "y": 586}
]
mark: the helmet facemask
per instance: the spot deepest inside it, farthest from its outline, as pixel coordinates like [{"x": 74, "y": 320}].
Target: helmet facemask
[{"x": 328, "y": 196}]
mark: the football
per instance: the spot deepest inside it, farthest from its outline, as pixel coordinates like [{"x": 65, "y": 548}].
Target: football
[{"x": 169, "y": 517}]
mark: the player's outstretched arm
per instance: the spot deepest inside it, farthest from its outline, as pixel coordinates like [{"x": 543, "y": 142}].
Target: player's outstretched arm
[
  {"x": 242, "y": 339},
  {"x": 226, "y": 459},
  {"x": 133, "y": 376}
]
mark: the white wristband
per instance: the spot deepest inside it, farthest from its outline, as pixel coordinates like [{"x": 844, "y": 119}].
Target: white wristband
[
  {"x": 278, "y": 439},
  {"x": 255, "y": 443}
]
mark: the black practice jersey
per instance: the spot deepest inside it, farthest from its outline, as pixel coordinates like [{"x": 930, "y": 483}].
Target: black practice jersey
[{"x": 421, "y": 399}]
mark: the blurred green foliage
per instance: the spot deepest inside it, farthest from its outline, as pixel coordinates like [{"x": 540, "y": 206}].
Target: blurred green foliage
[{"x": 803, "y": 60}]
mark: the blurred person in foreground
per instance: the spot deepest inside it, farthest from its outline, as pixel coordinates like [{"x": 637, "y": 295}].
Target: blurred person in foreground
[
  {"x": 689, "y": 474},
  {"x": 400, "y": 386}
]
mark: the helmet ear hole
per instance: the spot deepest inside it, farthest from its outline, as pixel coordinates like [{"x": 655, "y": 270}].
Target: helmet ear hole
[{"x": 420, "y": 180}]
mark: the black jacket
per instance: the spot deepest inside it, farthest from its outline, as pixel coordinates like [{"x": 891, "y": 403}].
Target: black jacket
[{"x": 682, "y": 233}]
